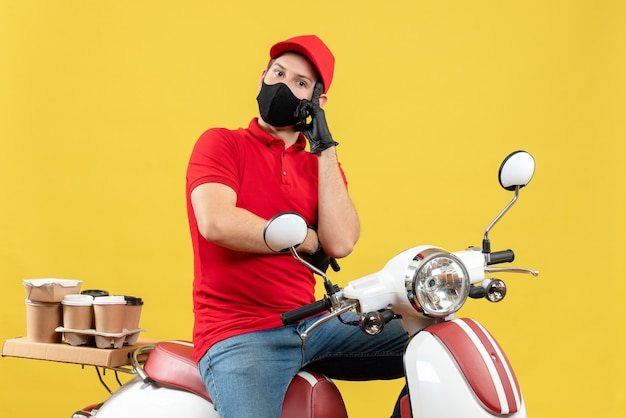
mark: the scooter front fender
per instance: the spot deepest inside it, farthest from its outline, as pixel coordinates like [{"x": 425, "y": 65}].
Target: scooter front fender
[
  {"x": 457, "y": 369},
  {"x": 138, "y": 399}
]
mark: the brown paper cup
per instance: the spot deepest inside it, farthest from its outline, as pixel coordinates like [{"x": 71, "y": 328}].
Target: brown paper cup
[
  {"x": 41, "y": 321},
  {"x": 109, "y": 313},
  {"x": 133, "y": 312},
  {"x": 77, "y": 317},
  {"x": 78, "y": 312}
]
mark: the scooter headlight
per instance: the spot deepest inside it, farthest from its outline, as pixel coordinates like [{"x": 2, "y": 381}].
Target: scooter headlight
[{"x": 437, "y": 283}]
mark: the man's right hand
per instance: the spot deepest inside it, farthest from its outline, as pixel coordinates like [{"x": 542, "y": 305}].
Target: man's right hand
[{"x": 316, "y": 131}]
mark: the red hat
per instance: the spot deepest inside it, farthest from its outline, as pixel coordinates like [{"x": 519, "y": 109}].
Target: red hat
[{"x": 314, "y": 49}]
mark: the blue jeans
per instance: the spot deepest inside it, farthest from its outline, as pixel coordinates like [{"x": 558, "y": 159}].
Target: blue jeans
[{"x": 247, "y": 375}]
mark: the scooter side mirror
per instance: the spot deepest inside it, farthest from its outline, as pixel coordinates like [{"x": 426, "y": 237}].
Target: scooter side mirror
[
  {"x": 284, "y": 231},
  {"x": 516, "y": 170}
]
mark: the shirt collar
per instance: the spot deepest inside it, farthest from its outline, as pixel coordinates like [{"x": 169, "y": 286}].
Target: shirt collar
[{"x": 266, "y": 138}]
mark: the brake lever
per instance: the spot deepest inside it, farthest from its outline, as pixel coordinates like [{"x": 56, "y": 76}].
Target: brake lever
[
  {"x": 327, "y": 318},
  {"x": 511, "y": 270}
]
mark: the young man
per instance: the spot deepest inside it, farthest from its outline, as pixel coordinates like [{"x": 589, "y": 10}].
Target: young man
[{"x": 236, "y": 181}]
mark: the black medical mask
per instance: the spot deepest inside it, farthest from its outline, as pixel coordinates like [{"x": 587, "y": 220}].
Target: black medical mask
[{"x": 278, "y": 105}]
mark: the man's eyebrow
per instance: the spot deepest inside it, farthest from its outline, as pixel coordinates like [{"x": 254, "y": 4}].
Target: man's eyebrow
[{"x": 277, "y": 64}]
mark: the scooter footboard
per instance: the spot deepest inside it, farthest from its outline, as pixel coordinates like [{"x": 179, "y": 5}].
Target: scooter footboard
[{"x": 456, "y": 368}]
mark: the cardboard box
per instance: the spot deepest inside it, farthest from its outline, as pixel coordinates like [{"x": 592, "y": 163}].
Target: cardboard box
[
  {"x": 50, "y": 290},
  {"x": 111, "y": 358}
]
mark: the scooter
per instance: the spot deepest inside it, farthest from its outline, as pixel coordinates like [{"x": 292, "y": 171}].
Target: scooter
[{"x": 454, "y": 367}]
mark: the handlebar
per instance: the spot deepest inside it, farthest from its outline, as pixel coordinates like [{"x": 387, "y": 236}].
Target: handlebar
[
  {"x": 305, "y": 311},
  {"x": 497, "y": 257},
  {"x": 325, "y": 304}
]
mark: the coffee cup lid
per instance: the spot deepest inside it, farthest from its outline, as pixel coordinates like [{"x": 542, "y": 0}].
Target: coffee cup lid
[
  {"x": 109, "y": 300},
  {"x": 133, "y": 300},
  {"x": 95, "y": 292},
  {"x": 77, "y": 300}
]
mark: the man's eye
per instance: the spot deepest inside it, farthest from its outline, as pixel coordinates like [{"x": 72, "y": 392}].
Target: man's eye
[{"x": 279, "y": 73}]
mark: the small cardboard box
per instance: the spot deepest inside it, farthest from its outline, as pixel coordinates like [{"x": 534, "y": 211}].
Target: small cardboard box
[
  {"x": 50, "y": 290},
  {"x": 20, "y": 347}
]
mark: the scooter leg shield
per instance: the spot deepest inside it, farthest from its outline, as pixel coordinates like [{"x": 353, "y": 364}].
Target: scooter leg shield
[{"x": 453, "y": 370}]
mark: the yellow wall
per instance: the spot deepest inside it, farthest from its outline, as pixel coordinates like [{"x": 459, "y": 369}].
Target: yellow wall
[{"x": 101, "y": 102}]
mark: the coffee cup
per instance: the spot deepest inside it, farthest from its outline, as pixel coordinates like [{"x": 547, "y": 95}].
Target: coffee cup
[
  {"x": 133, "y": 312},
  {"x": 77, "y": 312},
  {"x": 109, "y": 313},
  {"x": 42, "y": 318}
]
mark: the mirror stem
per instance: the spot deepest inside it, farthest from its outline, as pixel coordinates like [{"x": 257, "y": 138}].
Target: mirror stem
[
  {"x": 315, "y": 270},
  {"x": 486, "y": 242},
  {"x": 331, "y": 290}
]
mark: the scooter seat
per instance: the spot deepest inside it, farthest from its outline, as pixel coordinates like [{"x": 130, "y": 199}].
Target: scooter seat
[
  {"x": 171, "y": 363},
  {"x": 310, "y": 394}
]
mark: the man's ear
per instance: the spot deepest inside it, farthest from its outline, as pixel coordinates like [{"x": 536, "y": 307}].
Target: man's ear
[
  {"x": 261, "y": 80},
  {"x": 323, "y": 100}
]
